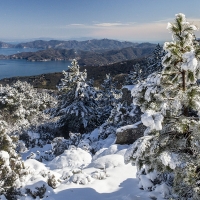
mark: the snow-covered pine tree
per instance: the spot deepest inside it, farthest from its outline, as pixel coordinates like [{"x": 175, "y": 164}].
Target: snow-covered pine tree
[
  {"x": 169, "y": 152},
  {"x": 135, "y": 76},
  {"x": 154, "y": 64},
  {"x": 77, "y": 106},
  {"x": 109, "y": 97},
  {"x": 12, "y": 168},
  {"x": 155, "y": 61},
  {"x": 121, "y": 115}
]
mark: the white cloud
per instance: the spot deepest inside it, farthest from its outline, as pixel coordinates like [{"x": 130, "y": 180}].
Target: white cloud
[
  {"x": 138, "y": 32},
  {"x": 195, "y": 21},
  {"x": 111, "y": 24},
  {"x": 76, "y": 25},
  {"x": 151, "y": 31},
  {"x": 164, "y": 20}
]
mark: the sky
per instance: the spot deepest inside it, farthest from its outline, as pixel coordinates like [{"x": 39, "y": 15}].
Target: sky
[{"x": 126, "y": 20}]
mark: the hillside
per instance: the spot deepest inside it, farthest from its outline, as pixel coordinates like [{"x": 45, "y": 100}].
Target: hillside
[
  {"x": 88, "y": 45},
  {"x": 85, "y": 58},
  {"x": 6, "y": 45}
]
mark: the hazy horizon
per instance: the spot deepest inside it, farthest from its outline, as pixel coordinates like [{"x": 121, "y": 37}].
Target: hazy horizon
[{"x": 130, "y": 20}]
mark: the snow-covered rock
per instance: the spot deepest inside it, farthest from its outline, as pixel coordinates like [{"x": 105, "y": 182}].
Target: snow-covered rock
[
  {"x": 145, "y": 183},
  {"x": 113, "y": 149},
  {"x": 108, "y": 161},
  {"x": 130, "y": 133},
  {"x": 71, "y": 158},
  {"x": 34, "y": 164}
]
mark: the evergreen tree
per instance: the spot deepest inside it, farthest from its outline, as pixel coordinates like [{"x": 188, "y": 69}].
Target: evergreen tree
[
  {"x": 135, "y": 76},
  {"x": 154, "y": 64},
  {"x": 109, "y": 96},
  {"x": 120, "y": 115},
  {"x": 155, "y": 61},
  {"x": 12, "y": 168},
  {"x": 77, "y": 105},
  {"x": 170, "y": 101}
]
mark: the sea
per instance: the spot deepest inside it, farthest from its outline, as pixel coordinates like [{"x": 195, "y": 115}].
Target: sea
[{"x": 13, "y": 68}]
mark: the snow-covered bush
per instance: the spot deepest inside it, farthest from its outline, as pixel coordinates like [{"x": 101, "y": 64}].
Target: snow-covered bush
[
  {"x": 41, "y": 155},
  {"x": 37, "y": 191},
  {"x": 40, "y": 181},
  {"x": 100, "y": 175},
  {"x": 21, "y": 105},
  {"x": 59, "y": 145},
  {"x": 80, "y": 178},
  {"x": 85, "y": 144},
  {"x": 77, "y": 176},
  {"x": 21, "y": 146},
  {"x": 74, "y": 138},
  {"x": 23, "y": 109},
  {"x": 52, "y": 181},
  {"x": 170, "y": 102}
]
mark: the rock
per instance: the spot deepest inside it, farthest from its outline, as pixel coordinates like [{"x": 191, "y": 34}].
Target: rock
[{"x": 129, "y": 134}]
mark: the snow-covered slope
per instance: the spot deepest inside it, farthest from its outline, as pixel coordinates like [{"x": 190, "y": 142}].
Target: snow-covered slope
[{"x": 79, "y": 176}]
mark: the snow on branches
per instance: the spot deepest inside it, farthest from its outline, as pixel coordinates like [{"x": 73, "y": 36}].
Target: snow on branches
[
  {"x": 77, "y": 104},
  {"x": 170, "y": 102}
]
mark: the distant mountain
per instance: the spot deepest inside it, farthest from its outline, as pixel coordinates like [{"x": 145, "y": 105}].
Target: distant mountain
[
  {"x": 86, "y": 57},
  {"x": 88, "y": 45},
  {"x": 91, "y": 52},
  {"x": 145, "y": 45}
]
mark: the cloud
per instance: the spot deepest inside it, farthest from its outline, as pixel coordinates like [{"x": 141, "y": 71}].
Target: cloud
[
  {"x": 149, "y": 31},
  {"x": 164, "y": 20},
  {"x": 76, "y": 25},
  {"x": 117, "y": 30},
  {"x": 154, "y": 31},
  {"x": 195, "y": 21},
  {"x": 111, "y": 24}
]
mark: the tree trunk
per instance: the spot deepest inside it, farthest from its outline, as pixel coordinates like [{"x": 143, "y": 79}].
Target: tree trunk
[
  {"x": 185, "y": 108},
  {"x": 183, "y": 79}
]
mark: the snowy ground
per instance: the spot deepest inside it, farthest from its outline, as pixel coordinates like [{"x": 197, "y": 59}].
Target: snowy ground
[{"x": 82, "y": 175}]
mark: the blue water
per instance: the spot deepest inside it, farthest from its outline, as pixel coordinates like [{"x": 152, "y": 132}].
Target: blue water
[
  {"x": 10, "y": 51},
  {"x": 12, "y": 68}
]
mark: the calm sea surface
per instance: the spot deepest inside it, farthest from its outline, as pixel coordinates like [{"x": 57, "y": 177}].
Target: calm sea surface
[
  {"x": 11, "y": 68},
  {"x": 10, "y": 51}
]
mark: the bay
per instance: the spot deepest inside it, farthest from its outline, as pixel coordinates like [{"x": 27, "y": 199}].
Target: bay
[
  {"x": 13, "y": 68},
  {"x": 10, "y": 51}
]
